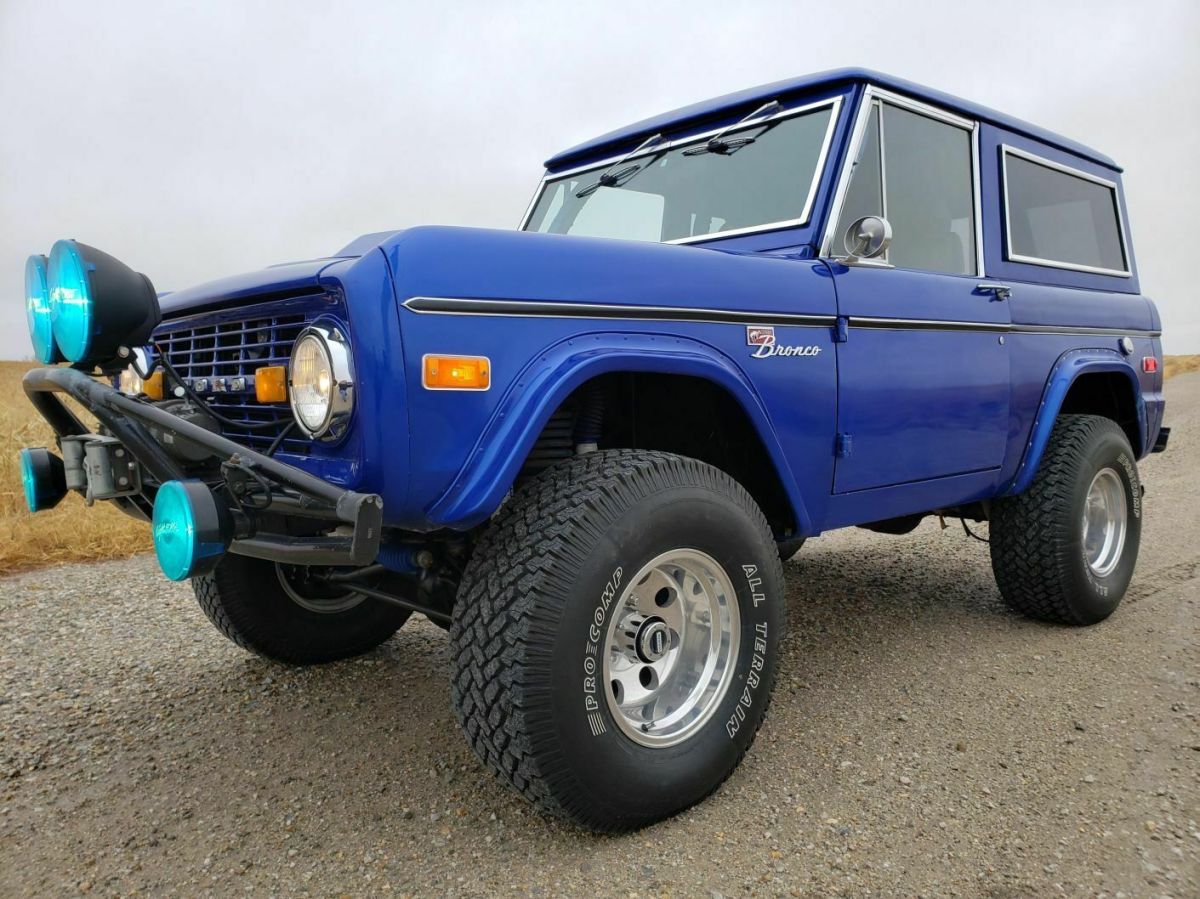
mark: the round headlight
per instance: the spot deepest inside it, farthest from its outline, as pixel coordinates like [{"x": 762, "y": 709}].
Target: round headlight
[
  {"x": 38, "y": 313},
  {"x": 70, "y": 300},
  {"x": 321, "y": 382}
]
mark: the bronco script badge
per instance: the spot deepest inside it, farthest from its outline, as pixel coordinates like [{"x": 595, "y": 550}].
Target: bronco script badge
[{"x": 762, "y": 338}]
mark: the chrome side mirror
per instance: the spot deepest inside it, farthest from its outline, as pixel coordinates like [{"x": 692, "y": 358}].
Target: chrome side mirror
[{"x": 867, "y": 238}]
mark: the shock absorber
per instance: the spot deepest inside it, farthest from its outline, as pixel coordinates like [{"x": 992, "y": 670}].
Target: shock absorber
[
  {"x": 404, "y": 558},
  {"x": 590, "y": 420}
]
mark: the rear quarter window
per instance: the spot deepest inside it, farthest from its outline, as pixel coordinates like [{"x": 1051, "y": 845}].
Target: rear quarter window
[{"x": 1061, "y": 217}]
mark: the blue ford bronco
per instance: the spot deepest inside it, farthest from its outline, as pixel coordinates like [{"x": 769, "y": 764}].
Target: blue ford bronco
[{"x": 584, "y": 446}]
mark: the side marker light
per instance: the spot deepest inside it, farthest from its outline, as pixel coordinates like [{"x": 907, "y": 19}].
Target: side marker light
[{"x": 456, "y": 372}]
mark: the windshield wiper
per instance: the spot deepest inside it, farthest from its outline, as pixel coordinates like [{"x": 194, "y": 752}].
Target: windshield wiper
[
  {"x": 721, "y": 146},
  {"x": 614, "y": 175}
]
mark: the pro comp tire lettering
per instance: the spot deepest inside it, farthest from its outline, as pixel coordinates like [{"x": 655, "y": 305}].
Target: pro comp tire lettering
[{"x": 591, "y": 653}]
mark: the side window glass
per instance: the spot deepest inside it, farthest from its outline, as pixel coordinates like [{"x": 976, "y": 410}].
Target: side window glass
[
  {"x": 1060, "y": 218},
  {"x": 864, "y": 195},
  {"x": 929, "y": 193}
]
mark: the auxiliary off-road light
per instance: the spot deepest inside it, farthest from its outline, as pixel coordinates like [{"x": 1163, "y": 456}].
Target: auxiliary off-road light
[
  {"x": 43, "y": 478},
  {"x": 321, "y": 382},
  {"x": 191, "y": 529},
  {"x": 97, "y": 303},
  {"x": 38, "y": 313}
]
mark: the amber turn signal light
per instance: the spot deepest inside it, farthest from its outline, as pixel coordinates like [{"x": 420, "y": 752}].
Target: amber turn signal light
[
  {"x": 270, "y": 384},
  {"x": 153, "y": 386},
  {"x": 457, "y": 373}
]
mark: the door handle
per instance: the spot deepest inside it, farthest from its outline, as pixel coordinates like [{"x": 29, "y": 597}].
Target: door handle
[{"x": 998, "y": 291}]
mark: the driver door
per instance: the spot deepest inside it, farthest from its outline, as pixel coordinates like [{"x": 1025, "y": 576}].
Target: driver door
[{"x": 923, "y": 375}]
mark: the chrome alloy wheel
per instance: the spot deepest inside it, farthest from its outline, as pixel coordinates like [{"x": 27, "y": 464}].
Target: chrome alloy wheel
[
  {"x": 1105, "y": 519},
  {"x": 671, "y": 647},
  {"x": 304, "y": 591}
]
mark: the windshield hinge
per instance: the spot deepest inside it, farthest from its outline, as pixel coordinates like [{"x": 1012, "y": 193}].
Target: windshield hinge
[{"x": 841, "y": 447}]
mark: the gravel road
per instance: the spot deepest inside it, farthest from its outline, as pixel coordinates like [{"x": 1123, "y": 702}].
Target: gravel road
[{"x": 922, "y": 740}]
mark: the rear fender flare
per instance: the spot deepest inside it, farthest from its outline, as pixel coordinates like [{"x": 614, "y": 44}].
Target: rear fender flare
[
  {"x": 495, "y": 460},
  {"x": 1066, "y": 370}
]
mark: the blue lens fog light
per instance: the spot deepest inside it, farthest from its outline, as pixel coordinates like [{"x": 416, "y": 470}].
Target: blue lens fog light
[
  {"x": 191, "y": 529},
  {"x": 71, "y": 305},
  {"x": 38, "y": 312},
  {"x": 43, "y": 479}
]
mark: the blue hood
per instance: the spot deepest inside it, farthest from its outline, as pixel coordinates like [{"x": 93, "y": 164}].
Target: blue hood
[
  {"x": 283, "y": 279},
  {"x": 289, "y": 278}
]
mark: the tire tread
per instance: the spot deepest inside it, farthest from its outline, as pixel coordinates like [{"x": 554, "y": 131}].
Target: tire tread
[
  {"x": 1030, "y": 532},
  {"x": 236, "y": 597},
  {"x": 503, "y": 618}
]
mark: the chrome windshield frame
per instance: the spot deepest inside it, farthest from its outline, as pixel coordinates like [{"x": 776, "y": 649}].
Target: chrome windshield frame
[{"x": 834, "y": 103}]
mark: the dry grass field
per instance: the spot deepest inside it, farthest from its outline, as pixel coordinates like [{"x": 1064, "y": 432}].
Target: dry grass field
[
  {"x": 1178, "y": 365},
  {"x": 69, "y": 533},
  {"x": 72, "y": 533}
]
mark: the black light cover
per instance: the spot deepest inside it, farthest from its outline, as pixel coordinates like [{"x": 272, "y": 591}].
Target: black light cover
[
  {"x": 43, "y": 478},
  {"x": 124, "y": 308}
]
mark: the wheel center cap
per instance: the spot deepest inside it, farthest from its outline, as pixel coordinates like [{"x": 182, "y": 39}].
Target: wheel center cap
[{"x": 653, "y": 640}]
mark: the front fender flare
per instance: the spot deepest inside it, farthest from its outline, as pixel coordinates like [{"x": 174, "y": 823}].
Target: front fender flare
[
  {"x": 495, "y": 460},
  {"x": 1066, "y": 370}
]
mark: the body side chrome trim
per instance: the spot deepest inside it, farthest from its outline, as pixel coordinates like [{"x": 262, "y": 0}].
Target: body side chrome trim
[
  {"x": 925, "y": 324},
  {"x": 1083, "y": 331},
  {"x": 1007, "y": 150},
  {"x": 557, "y": 309},
  {"x": 834, "y": 103}
]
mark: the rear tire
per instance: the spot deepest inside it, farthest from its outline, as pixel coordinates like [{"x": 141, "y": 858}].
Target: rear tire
[
  {"x": 1065, "y": 549},
  {"x": 615, "y": 636},
  {"x": 268, "y": 610}
]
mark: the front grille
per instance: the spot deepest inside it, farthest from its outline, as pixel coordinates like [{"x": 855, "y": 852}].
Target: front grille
[{"x": 219, "y": 356}]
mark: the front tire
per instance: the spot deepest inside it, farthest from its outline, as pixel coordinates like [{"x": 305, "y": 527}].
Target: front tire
[
  {"x": 615, "y": 636},
  {"x": 1065, "y": 549},
  {"x": 276, "y": 612}
]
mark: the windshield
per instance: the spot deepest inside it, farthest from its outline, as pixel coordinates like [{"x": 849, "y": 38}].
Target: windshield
[{"x": 696, "y": 188}]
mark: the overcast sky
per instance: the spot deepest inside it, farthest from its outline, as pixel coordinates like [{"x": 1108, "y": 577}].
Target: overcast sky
[{"x": 199, "y": 140}]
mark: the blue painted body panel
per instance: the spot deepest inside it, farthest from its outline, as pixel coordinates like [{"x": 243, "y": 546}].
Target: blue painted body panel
[
  {"x": 936, "y": 417},
  {"x": 450, "y": 428},
  {"x": 1066, "y": 369},
  {"x": 919, "y": 404}
]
